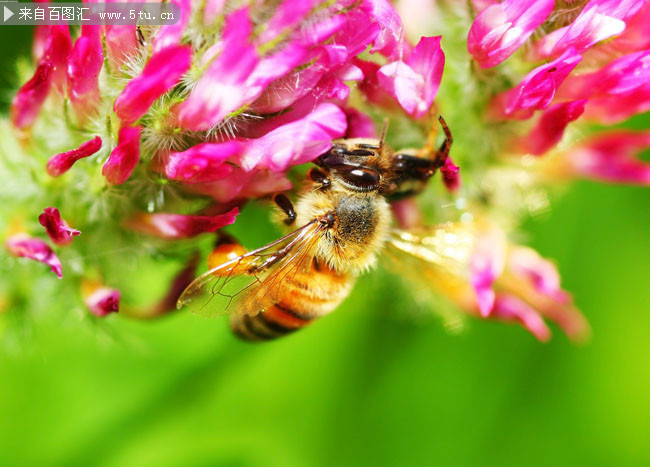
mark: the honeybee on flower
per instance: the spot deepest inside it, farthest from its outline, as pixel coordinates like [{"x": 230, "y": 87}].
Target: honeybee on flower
[{"x": 140, "y": 143}]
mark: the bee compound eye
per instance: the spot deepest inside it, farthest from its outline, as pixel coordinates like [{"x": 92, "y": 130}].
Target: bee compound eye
[{"x": 361, "y": 177}]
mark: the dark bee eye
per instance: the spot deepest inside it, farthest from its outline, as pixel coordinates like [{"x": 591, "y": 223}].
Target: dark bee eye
[{"x": 360, "y": 177}]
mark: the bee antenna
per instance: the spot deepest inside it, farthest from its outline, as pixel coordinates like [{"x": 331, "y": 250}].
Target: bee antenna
[{"x": 384, "y": 130}]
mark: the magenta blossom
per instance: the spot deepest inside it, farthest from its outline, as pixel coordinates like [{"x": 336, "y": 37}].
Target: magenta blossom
[
  {"x": 500, "y": 29},
  {"x": 537, "y": 90},
  {"x": 24, "y": 246},
  {"x": 175, "y": 226},
  {"x": 486, "y": 265},
  {"x": 57, "y": 51},
  {"x": 61, "y": 163},
  {"x": 172, "y": 34},
  {"x": 84, "y": 64},
  {"x": 57, "y": 229},
  {"x": 124, "y": 157},
  {"x": 549, "y": 129},
  {"x": 30, "y": 97},
  {"x": 102, "y": 300},
  {"x": 161, "y": 73},
  {"x": 202, "y": 163},
  {"x": 610, "y": 157},
  {"x": 599, "y": 20},
  {"x": 450, "y": 175},
  {"x": 121, "y": 43},
  {"x": 511, "y": 308},
  {"x": 414, "y": 82}
]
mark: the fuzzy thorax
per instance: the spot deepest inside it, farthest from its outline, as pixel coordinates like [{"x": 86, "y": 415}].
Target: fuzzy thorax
[{"x": 360, "y": 227}]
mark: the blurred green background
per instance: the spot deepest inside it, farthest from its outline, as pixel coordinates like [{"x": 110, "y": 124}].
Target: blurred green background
[{"x": 367, "y": 385}]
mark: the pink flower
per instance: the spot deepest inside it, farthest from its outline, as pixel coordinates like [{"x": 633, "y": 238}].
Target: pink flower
[
  {"x": 610, "y": 157},
  {"x": 616, "y": 92},
  {"x": 57, "y": 229},
  {"x": 220, "y": 91},
  {"x": 359, "y": 124},
  {"x": 24, "y": 246},
  {"x": 526, "y": 263},
  {"x": 537, "y": 90},
  {"x": 124, "y": 157},
  {"x": 549, "y": 129},
  {"x": 176, "y": 226},
  {"x": 30, "y": 97},
  {"x": 101, "y": 300},
  {"x": 171, "y": 35},
  {"x": 450, "y": 176},
  {"x": 160, "y": 74},
  {"x": 296, "y": 142},
  {"x": 84, "y": 65},
  {"x": 486, "y": 265},
  {"x": 513, "y": 309},
  {"x": 121, "y": 43},
  {"x": 61, "y": 163},
  {"x": 242, "y": 185},
  {"x": 415, "y": 83},
  {"x": 57, "y": 51},
  {"x": 202, "y": 163},
  {"x": 390, "y": 40},
  {"x": 500, "y": 29},
  {"x": 599, "y": 20}
]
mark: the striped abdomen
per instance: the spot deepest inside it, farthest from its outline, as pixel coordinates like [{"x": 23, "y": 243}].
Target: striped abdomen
[{"x": 306, "y": 296}]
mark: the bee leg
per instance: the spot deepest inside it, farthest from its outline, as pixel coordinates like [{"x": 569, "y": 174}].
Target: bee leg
[
  {"x": 319, "y": 177},
  {"x": 226, "y": 249},
  {"x": 286, "y": 205},
  {"x": 437, "y": 156}
]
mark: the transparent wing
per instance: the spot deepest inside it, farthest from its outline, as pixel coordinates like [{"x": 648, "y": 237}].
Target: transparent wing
[
  {"x": 431, "y": 260},
  {"x": 253, "y": 281}
]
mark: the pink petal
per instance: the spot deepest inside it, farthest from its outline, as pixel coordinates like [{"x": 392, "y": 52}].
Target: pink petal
[
  {"x": 509, "y": 308},
  {"x": 391, "y": 35},
  {"x": 124, "y": 157},
  {"x": 84, "y": 65},
  {"x": 102, "y": 301},
  {"x": 551, "y": 125},
  {"x": 297, "y": 142},
  {"x": 359, "y": 124},
  {"x": 502, "y": 28},
  {"x": 415, "y": 83},
  {"x": 27, "y": 103},
  {"x": 202, "y": 163},
  {"x": 242, "y": 184},
  {"x": 527, "y": 264},
  {"x": 61, "y": 163},
  {"x": 57, "y": 229},
  {"x": 286, "y": 16},
  {"x": 121, "y": 43},
  {"x": 450, "y": 176},
  {"x": 486, "y": 264},
  {"x": 212, "y": 9},
  {"x": 599, "y": 20},
  {"x": 57, "y": 51},
  {"x": 171, "y": 35},
  {"x": 176, "y": 226},
  {"x": 24, "y": 246},
  {"x": 160, "y": 74},
  {"x": 220, "y": 90},
  {"x": 537, "y": 90},
  {"x": 611, "y": 157}
]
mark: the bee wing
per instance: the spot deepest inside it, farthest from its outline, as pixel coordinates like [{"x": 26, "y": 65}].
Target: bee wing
[
  {"x": 253, "y": 281},
  {"x": 432, "y": 260}
]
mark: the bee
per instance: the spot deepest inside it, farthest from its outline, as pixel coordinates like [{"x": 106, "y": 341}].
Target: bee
[{"x": 343, "y": 221}]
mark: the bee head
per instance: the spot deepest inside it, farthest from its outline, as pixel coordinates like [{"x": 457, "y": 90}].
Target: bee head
[{"x": 354, "y": 163}]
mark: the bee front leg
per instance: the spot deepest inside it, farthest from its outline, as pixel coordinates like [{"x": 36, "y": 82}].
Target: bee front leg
[
  {"x": 286, "y": 206},
  {"x": 437, "y": 156}
]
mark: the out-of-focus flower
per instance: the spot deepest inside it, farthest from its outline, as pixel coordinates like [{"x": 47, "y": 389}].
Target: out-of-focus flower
[
  {"x": 99, "y": 299},
  {"x": 30, "y": 97},
  {"x": 550, "y": 128},
  {"x": 607, "y": 157},
  {"x": 450, "y": 176},
  {"x": 121, "y": 44},
  {"x": 162, "y": 71},
  {"x": 57, "y": 51},
  {"x": 84, "y": 64},
  {"x": 24, "y": 246},
  {"x": 500, "y": 29},
  {"x": 175, "y": 226},
  {"x": 414, "y": 82},
  {"x": 57, "y": 229},
  {"x": 124, "y": 157},
  {"x": 61, "y": 163}
]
